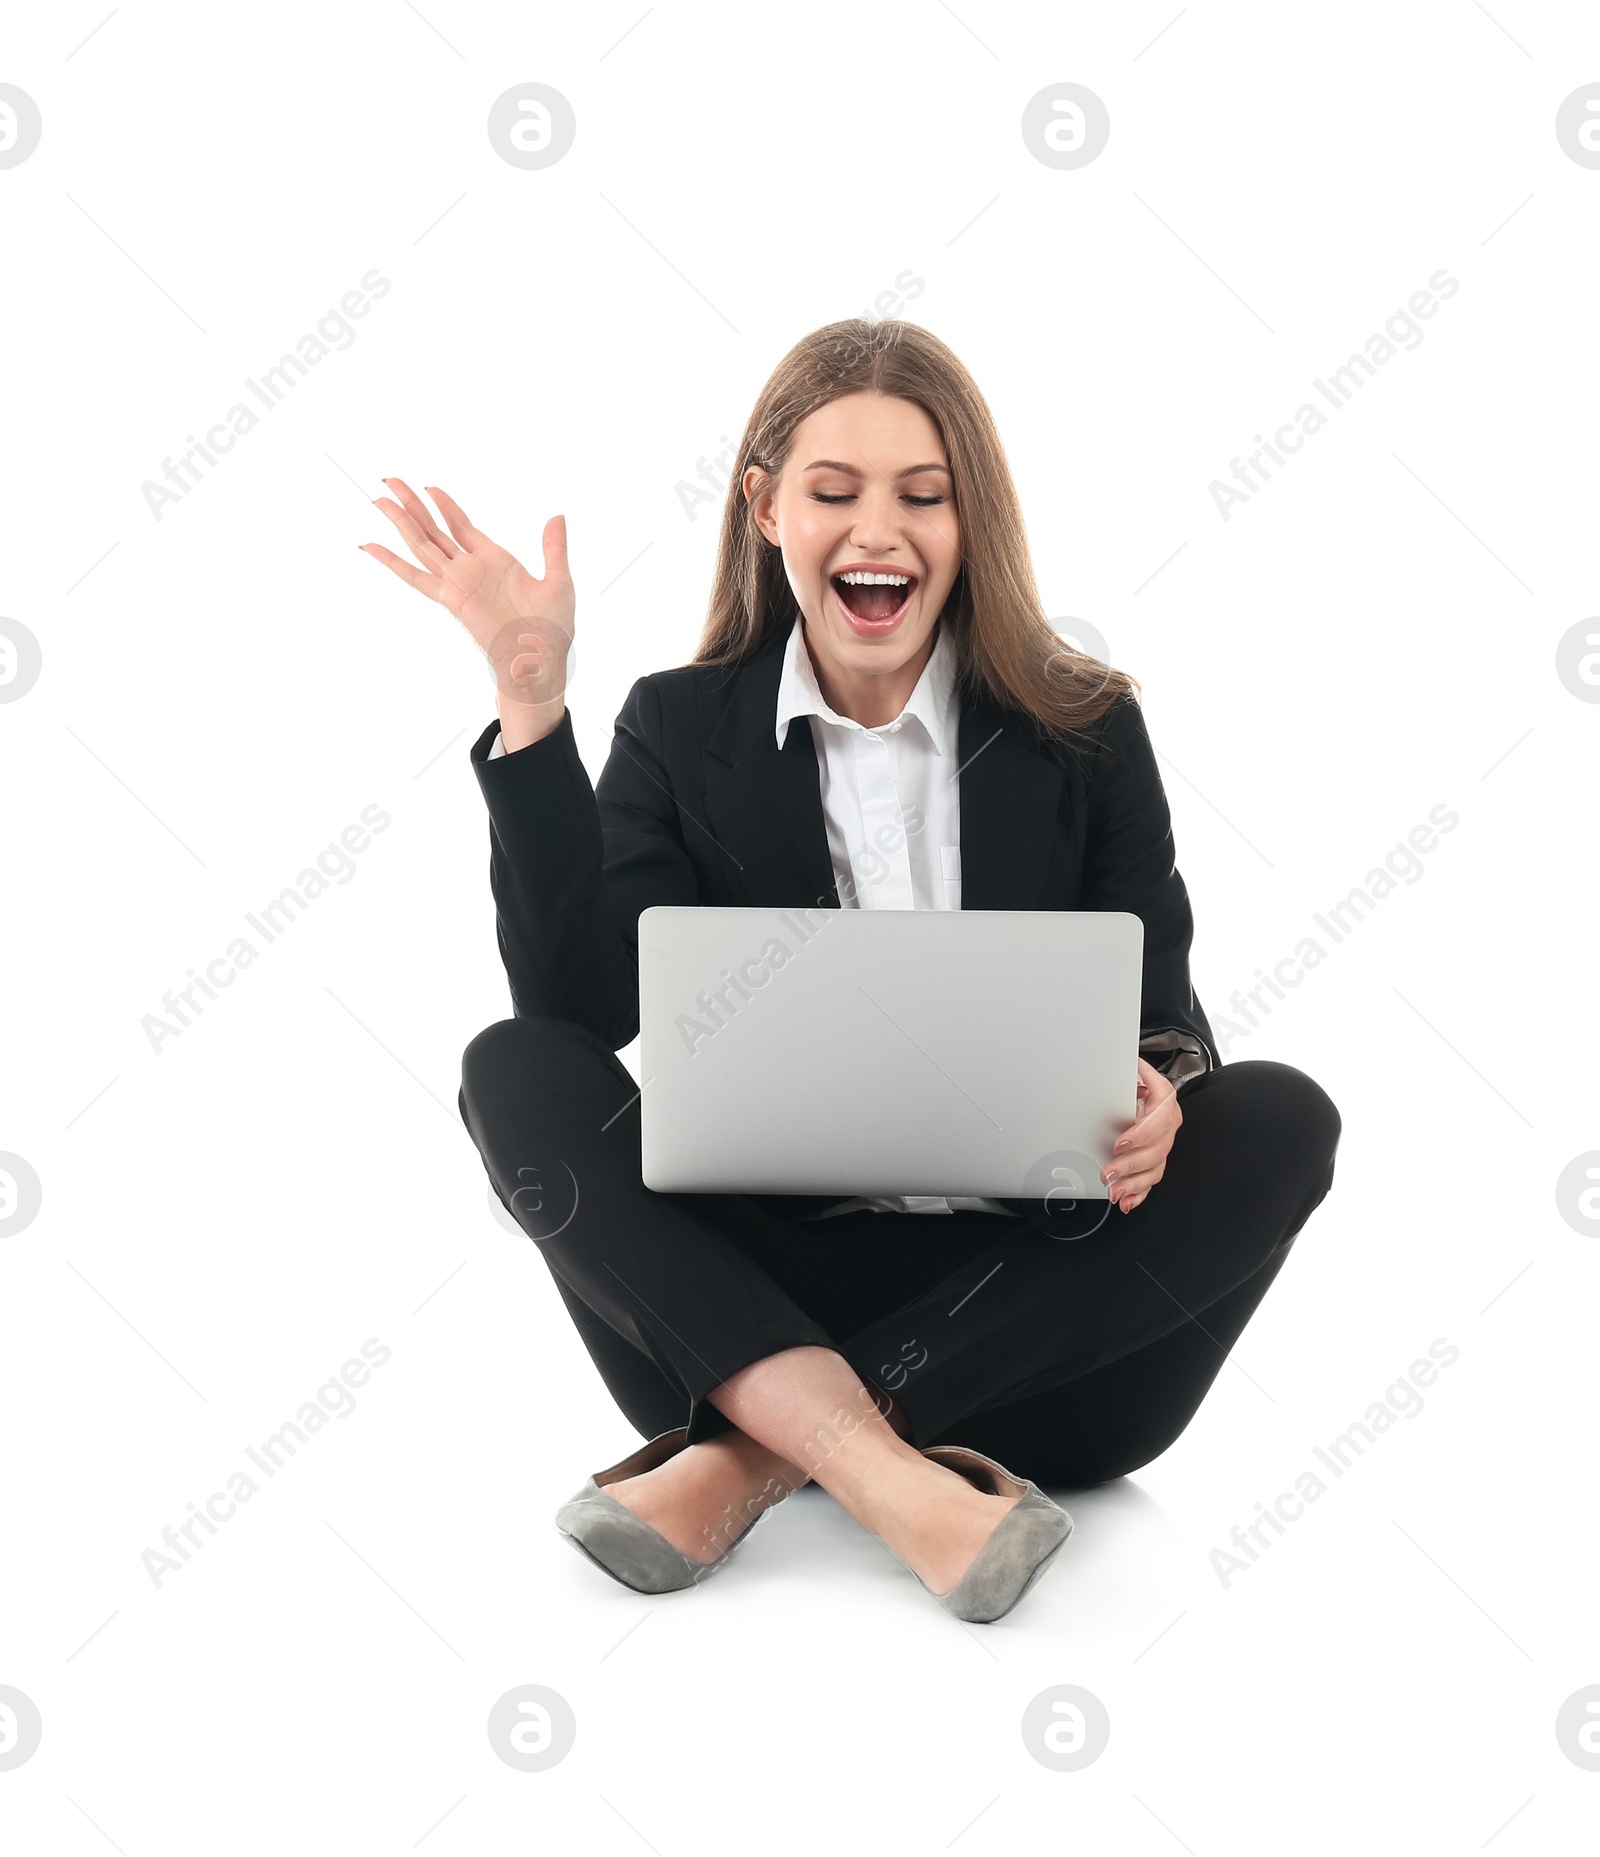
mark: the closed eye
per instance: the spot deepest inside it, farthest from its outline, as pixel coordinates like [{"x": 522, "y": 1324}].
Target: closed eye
[{"x": 917, "y": 502}]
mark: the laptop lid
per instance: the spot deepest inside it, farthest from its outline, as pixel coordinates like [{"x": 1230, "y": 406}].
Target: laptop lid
[{"x": 989, "y": 1052}]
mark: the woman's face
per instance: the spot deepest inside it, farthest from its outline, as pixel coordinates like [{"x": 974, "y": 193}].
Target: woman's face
[{"x": 866, "y": 493}]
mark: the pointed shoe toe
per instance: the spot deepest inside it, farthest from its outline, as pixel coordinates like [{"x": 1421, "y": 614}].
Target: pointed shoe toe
[
  {"x": 621, "y": 1543},
  {"x": 1030, "y": 1535}
]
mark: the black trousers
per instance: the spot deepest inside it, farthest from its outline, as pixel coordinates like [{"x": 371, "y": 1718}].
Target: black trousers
[{"x": 1070, "y": 1347}]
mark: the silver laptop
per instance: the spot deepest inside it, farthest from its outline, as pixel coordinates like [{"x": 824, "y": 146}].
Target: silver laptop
[{"x": 991, "y": 1052}]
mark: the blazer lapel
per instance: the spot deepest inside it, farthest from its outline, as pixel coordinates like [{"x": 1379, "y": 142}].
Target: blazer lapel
[
  {"x": 1010, "y": 796},
  {"x": 765, "y": 808}
]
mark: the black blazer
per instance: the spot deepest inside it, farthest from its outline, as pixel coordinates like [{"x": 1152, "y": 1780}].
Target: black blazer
[{"x": 697, "y": 805}]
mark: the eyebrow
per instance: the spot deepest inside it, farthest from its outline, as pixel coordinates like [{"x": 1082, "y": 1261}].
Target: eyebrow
[{"x": 911, "y": 470}]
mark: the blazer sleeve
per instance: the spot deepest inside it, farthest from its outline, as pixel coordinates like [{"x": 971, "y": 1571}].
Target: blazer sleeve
[
  {"x": 572, "y": 865},
  {"x": 1129, "y": 864}
]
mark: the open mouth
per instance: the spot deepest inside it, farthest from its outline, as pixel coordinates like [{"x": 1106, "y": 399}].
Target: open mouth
[{"x": 874, "y": 599}]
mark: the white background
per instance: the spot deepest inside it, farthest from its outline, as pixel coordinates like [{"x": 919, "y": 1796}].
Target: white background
[{"x": 224, "y": 689}]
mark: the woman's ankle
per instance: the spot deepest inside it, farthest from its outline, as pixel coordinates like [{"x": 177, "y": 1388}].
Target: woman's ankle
[
  {"x": 863, "y": 1466},
  {"x": 735, "y": 1456}
]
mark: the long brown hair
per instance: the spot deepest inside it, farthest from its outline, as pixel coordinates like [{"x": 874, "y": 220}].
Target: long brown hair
[{"x": 1004, "y": 644}]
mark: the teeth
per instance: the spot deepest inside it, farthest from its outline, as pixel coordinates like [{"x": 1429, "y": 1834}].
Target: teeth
[{"x": 874, "y": 580}]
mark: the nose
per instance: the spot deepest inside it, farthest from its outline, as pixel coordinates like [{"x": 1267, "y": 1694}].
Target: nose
[{"x": 876, "y": 530}]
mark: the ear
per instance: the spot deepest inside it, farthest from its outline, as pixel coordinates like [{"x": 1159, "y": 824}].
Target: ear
[{"x": 758, "y": 492}]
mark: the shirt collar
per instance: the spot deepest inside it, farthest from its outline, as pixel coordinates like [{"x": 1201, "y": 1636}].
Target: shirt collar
[{"x": 800, "y": 695}]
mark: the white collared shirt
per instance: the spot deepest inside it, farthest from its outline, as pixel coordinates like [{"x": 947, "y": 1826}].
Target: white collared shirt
[{"x": 889, "y": 796}]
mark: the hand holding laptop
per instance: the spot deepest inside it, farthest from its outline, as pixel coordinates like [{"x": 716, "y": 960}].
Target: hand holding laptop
[{"x": 1139, "y": 1154}]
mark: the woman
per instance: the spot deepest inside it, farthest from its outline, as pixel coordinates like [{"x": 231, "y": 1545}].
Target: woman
[{"x": 878, "y": 715}]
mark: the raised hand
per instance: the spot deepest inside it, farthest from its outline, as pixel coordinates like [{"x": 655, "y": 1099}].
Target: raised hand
[{"x": 521, "y": 622}]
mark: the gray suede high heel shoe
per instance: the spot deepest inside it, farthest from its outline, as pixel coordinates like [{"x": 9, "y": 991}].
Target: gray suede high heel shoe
[
  {"x": 619, "y": 1542},
  {"x": 1030, "y": 1535}
]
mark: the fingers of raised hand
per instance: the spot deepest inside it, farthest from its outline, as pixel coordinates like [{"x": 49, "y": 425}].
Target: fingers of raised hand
[
  {"x": 427, "y": 551},
  {"x": 412, "y": 576},
  {"x": 455, "y": 517},
  {"x": 421, "y": 515}
]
